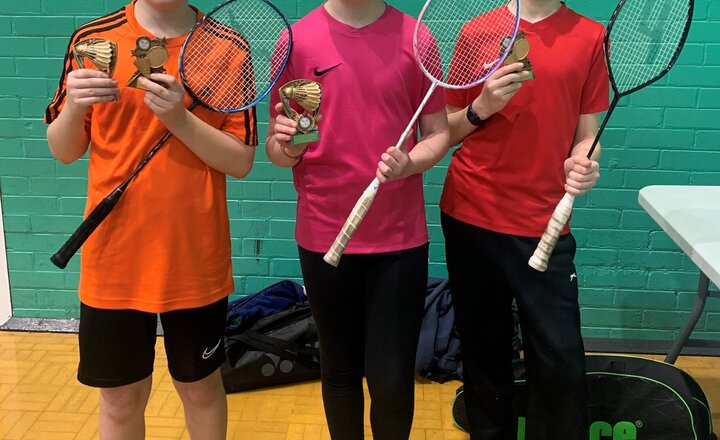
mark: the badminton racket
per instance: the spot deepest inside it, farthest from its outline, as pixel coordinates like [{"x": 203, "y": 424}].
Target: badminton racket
[
  {"x": 458, "y": 44},
  {"x": 229, "y": 62},
  {"x": 643, "y": 40}
]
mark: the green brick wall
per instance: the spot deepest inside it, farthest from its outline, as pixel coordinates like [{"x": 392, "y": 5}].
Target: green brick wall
[{"x": 635, "y": 283}]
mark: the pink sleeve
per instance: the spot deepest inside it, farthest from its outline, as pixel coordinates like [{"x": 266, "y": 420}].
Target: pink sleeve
[
  {"x": 283, "y": 79},
  {"x": 436, "y": 101},
  {"x": 427, "y": 53}
]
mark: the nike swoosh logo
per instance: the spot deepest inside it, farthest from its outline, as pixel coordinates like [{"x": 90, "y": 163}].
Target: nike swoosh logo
[
  {"x": 323, "y": 72},
  {"x": 206, "y": 354}
]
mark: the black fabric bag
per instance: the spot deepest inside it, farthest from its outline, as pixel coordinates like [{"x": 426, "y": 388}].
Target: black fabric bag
[
  {"x": 629, "y": 398},
  {"x": 439, "y": 355},
  {"x": 277, "y": 349}
]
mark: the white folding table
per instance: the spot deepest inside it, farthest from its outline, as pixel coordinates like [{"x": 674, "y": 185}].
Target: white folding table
[{"x": 690, "y": 215}]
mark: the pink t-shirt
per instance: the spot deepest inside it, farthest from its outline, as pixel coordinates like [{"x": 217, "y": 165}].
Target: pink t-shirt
[{"x": 372, "y": 86}]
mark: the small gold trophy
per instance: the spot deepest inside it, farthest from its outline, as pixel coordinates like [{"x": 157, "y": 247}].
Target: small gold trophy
[
  {"x": 150, "y": 57},
  {"x": 518, "y": 53},
  {"x": 102, "y": 53},
  {"x": 308, "y": 95}
]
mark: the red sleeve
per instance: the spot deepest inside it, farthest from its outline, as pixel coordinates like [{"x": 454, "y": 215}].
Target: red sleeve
[
  {"x": 596, "y": 91},
  {"x": 458, "y": 97}
]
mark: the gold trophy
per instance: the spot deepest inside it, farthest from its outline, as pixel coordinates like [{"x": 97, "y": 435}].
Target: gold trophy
[
  {"x": 308, "y": 95},
  {"x": 102, "y": 53},
  {"x": 150, "y": 57},
  {"x": 518, "y": 53}
]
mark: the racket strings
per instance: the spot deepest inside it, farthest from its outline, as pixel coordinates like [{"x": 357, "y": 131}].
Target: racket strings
[
  {"x": 221, "y": 59},
  {"x": 644, "y": 40},
  {"x": 460, "y": 42}
]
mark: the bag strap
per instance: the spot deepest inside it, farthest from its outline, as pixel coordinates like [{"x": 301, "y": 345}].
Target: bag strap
[
  {"x": 281, "y": 343},
  {"x": 285, "y": 350}
]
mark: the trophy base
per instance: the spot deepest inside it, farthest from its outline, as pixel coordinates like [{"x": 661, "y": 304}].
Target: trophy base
[
  {"x": 531, "y": 76},
  {"x": 305, "y": 138}
]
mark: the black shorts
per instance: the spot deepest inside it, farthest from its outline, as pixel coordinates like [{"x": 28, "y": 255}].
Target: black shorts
[{"x": 117, "y": 347}]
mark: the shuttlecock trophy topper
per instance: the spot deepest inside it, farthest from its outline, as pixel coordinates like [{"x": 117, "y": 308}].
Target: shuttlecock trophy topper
[
  {"x": 518, "y": 53},
  {"x": 150, "y": 57},
  {"x": 102, "y": 53},
  {"x": 308, "y": 95}
]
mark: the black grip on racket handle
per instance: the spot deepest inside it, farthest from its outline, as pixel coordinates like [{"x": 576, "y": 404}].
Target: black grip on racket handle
[{"x": 86, "y": 228}]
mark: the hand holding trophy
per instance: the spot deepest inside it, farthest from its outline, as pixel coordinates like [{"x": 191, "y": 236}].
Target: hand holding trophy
[
  {"x": 518, "y": 53},
  {"x": 308, "y": 95},
  {"x": 102, "y": 54}
]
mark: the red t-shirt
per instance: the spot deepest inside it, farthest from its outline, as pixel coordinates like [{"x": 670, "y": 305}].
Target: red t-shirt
[
  {"x": 371, "y": 87},
  {"x": 508, "y": 175}
]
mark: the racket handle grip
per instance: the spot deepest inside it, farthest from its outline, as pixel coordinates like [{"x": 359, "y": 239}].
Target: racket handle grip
[
  {"x": 86, "y": 228},
  {"x": 332, "y": 257},
  {"x": 541, "y": 256}
]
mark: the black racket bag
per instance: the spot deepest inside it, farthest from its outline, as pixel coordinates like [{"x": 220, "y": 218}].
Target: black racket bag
[
  {"x": 280, "y": 348},
  {"x": 629, "y": 398}
]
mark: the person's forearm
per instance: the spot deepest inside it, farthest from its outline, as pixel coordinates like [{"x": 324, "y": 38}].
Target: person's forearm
[
  {"x": 66, "y": 136},
  {"x": 428, "y": 152},
  {"x": 585, "y": 134},
  {"x": 279, "y": 152},
  {"x": 219, "y": 150},
  {"x": 583, "y": 147},
  {"x": 460, "y": 127},
  {"x": 280, "y": 156}
]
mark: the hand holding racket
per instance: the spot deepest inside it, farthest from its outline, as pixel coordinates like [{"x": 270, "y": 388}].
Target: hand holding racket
[
  {"x": 229, "y": 62},
  {"x": 647, "y": 37},
  {"x": 393, "y": 164},
  {"x": 456, "y": 45}
]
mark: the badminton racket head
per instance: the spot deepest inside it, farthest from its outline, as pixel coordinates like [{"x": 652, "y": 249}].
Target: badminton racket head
[
  {"x": 459, "y": 43},
  {"x": 234, "y": 56},
  {"x": 644, "y": 38}
]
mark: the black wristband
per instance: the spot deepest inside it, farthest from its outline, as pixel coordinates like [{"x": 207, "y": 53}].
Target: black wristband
[{"x": 473, "y": 117}]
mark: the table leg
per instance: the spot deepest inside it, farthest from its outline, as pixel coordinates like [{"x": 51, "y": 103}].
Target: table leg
[{"x": 702, "y": 295}]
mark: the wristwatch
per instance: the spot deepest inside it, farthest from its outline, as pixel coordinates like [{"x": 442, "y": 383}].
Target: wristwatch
[{"x": 473, "y": 117}]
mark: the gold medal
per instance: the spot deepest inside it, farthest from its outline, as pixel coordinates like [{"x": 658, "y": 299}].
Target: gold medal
[
  {"x": 150, "y": 57},
  {"x": 519, "y": 54}
]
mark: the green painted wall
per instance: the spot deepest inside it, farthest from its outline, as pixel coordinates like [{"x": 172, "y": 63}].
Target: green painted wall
[{"x": 634, "y": 281}]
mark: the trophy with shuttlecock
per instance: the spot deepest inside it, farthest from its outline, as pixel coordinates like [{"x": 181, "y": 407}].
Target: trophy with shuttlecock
[
  {"x": 306, "y": 94},
  {"x": 100, "y": 52}
]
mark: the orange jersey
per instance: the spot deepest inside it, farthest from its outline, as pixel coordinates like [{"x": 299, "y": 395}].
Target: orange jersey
[{"x": 166, "y": 245}]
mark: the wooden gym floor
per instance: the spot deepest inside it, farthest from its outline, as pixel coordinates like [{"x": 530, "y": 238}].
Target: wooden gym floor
[{"x": 41, "y": 399}]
